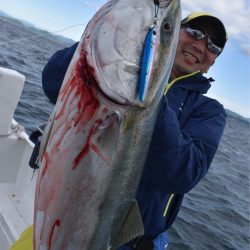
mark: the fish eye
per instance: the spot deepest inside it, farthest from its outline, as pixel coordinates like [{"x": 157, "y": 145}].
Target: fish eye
[{"x": 166, "y": 26}]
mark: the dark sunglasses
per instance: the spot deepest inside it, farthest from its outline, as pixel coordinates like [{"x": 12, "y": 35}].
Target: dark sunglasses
[{"x": 198, "y": 35}]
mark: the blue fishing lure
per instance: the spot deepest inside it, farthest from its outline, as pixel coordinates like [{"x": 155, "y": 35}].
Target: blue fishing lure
[{"x": 147, "y": 62}]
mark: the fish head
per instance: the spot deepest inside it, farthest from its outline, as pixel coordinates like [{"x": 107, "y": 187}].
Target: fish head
[{"x": 114, "y": 41}]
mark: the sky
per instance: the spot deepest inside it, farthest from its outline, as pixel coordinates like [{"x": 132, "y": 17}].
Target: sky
[{"x": 231, "y": 69}]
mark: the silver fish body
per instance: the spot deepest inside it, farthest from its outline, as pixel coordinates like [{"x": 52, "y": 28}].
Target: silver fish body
[{"x": 98, "y": 137}]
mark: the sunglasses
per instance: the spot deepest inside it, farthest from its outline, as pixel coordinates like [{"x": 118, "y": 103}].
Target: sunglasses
[{"x": 199, "y": 35}]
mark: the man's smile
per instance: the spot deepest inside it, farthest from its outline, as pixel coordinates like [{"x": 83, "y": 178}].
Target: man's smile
[{"x": 191, "y": 56}]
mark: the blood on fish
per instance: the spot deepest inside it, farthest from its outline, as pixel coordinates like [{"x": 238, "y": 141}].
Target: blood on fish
[
  {"x": 84, "y": 151},
  {"x": 82, "y": 85},
  {"x": 105, "y": 110},
  {"x": 99, "y": 121},
  {"x": 89, "y": 145},
  {"x": 98, "y": 152},
  {"x": 57, "y": 223}
]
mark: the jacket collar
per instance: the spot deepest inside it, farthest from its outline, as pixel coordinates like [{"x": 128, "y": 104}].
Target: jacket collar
[{"x": 194, "y": 81}]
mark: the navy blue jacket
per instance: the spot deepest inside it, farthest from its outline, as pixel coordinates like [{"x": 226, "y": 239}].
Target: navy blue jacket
[{"x": 186, "y": 136}]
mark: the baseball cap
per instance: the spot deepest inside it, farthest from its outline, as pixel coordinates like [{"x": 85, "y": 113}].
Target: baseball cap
[{"x": 202, "y": 18}]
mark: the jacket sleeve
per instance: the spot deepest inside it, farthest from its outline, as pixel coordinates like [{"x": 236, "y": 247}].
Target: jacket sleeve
[
  {"x": 179, "y": 157},
  {"x": 55, "y": 70}
]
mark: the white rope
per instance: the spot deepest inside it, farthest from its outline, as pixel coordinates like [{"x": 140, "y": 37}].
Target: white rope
[{"x": 18, "y": 129}]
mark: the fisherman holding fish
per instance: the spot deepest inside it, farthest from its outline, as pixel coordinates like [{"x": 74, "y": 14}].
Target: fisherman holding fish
[
  {"x": 187, "y": 132},
  {"x": 188, "y": 129}
]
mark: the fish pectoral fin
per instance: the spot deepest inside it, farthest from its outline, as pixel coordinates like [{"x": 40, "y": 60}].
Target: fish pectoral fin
[{"x": 132, "y": 227}]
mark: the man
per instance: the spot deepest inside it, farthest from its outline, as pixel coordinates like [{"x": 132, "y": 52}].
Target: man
[{"x": 187, "y": 131}]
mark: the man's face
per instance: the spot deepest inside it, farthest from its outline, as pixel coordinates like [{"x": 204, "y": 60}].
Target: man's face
[{"x": 192, "y": 55}]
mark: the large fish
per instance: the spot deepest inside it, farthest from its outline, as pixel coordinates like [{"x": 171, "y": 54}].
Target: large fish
[{"x": 97, "y": 139}]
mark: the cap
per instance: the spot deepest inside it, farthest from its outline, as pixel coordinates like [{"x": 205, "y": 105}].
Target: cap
[{"x": 203, "y": 18}]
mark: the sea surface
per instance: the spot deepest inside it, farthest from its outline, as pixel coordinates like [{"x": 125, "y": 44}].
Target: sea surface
[{"x": 215, "y": 215}]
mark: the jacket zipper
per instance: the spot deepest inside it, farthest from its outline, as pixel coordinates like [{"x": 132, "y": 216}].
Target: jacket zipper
[
  {"x": 168, "y": 204},
  {"x": 165, "y": 92},
  {"x": 177, "y": 79}
]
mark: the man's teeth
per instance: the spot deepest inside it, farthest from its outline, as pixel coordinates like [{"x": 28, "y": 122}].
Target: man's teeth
[{"x": 195, "y": 59}]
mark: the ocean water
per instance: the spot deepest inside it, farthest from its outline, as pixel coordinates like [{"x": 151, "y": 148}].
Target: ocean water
[{"x": 215, "y": 214}]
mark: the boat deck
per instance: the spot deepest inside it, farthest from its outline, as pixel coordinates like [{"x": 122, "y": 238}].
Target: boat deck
[{"x": 17, "y": 187}]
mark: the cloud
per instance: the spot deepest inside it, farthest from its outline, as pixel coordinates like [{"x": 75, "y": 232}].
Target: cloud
[{"x": 234, "y": 14}]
